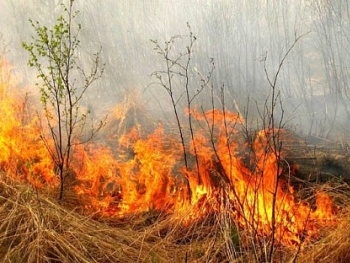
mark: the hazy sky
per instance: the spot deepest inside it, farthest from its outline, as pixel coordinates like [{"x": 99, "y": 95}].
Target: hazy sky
[{"x": 238, "y": 35}]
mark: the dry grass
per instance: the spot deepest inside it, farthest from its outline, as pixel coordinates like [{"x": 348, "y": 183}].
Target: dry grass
[
  {"x": 334, "y": 247},
  {"x": 35, "y": 228}
]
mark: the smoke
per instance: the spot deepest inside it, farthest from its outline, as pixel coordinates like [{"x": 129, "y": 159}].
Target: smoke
[{"x": 245, "y": 39}]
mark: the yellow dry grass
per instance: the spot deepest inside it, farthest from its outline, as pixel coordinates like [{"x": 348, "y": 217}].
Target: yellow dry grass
[{"x": 35, "y": 228}]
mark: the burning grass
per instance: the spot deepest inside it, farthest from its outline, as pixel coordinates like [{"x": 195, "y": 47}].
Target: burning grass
[
  {"x": 334, "y": 247},
  {"x": 257, "y": 197},
  {"x": 134, "y": 199},
  {"x": 35, "y": 228}
]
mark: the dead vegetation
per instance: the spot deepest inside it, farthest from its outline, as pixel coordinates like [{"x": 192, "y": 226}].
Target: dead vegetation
[
  {"x": 334, "y": 247},
  {"x": 34, "y": 227}
]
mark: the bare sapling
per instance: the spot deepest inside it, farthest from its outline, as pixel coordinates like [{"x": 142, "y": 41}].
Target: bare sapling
[
  {"x": 272, "y": 126},
  {"x": 177, "y": 70}
]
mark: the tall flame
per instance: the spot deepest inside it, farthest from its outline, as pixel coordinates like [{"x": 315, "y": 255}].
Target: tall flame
[
  {"x": 23, "y": 153},
  {"x": 150, "y": 173},
  {"x": 143, "y": 172}
]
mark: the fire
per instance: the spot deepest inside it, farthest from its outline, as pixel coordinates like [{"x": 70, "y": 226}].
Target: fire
[
  {"x": 137, "y": 173},
  {"x": 150, "y": 173},
  {"x": 23, "y": 153}
]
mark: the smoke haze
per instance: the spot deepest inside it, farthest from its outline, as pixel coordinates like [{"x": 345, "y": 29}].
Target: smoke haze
[{"x": 242, "y": 37}]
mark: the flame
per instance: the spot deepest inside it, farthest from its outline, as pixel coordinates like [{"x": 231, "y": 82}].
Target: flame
[
  {"x": 23, "y": 153},
  {"x": 137, "y": 173},
  {"x": 149, "y": 173}
]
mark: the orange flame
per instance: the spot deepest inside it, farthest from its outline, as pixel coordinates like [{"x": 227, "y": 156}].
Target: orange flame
[
  {"x": 149, "y": 173},
  {"x": 23, "y": 153},
  {"x": 140, "y": 173}
]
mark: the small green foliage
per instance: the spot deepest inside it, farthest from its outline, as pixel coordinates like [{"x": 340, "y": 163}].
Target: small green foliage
[
  {"x": 53, "y": 53},
  {"x": 234, "y": 237},
  {"x": 154, "y": 258}
]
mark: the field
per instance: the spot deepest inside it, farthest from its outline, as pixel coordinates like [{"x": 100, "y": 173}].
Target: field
[
  {"x": 35, "y": 227},
  {"x": 205, "y": 187}
]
